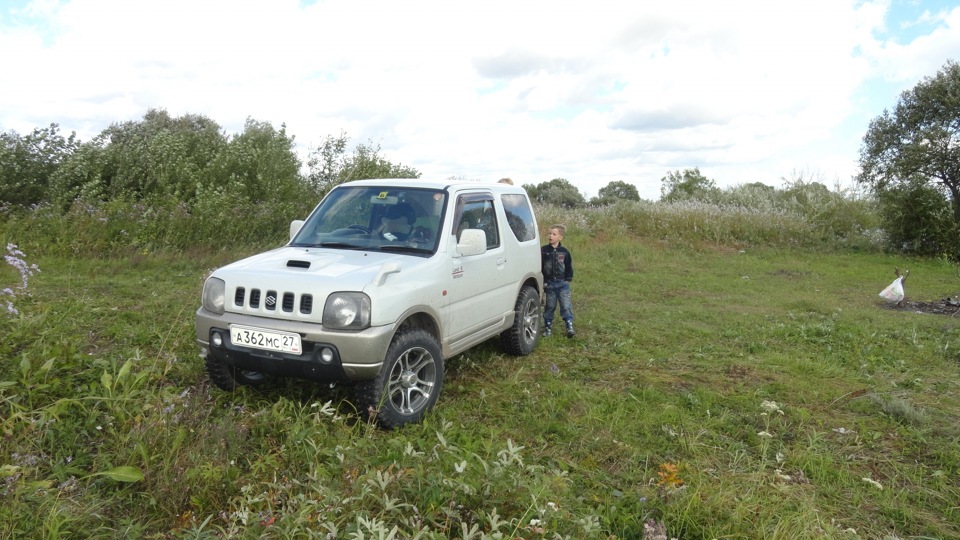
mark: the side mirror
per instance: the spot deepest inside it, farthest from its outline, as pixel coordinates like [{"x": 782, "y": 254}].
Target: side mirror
[
  {"x": 472, "y": 242},
  {"x": 295, "y": 226}
]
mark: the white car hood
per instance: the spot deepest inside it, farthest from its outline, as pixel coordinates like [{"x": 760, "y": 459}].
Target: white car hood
[{"x": 310, "y": 271}]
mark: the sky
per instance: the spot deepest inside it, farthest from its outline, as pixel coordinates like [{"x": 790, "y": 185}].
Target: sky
[{"x": 592, "y": 92}]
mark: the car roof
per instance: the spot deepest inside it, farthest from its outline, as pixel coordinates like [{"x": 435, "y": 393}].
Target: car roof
[{"x": 453, "y": 185}]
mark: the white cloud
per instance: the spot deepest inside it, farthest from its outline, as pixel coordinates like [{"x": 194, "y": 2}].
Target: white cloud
[{"x": 592, "y": 92}]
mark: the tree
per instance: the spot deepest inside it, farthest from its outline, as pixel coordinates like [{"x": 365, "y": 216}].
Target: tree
[
  {"x": 81, "y": 174},
  {"x": 367, "y": 162},
  {"x": 158, "y": 155},
  {"x": 616, "y": 191},
  {"x": 558, "y": 192},
  {"x": 179, "y": 158},
  {"x": 329, "y": 165},
  {"x": 687, "y": 185},
  {"x": 262, "y": 161},
  {"x": 918, "y": 144},
  {"x": 325, "y": 161},
  {"x": 28, "y": 163}
]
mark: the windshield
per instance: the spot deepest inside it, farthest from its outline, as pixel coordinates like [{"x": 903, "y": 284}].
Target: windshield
[{"x": 376, "y": 218}]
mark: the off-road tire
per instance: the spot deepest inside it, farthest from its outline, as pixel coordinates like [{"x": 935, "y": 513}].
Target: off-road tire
[
  {"x": 408, "y": 384},
  {"x": 521, "y": 338},
  {"x": 229, "y": 378}
]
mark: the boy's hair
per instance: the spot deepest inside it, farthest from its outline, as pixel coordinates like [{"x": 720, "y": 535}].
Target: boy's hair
[{"x": 561, "y": 228}]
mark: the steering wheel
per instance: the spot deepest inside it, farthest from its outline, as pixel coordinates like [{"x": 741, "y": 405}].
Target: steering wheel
[
  {"x": 421, "y": 235},
  {"x": 360, "y": 228}
]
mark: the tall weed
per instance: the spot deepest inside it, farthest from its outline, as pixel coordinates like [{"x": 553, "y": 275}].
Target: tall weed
[{"x": 803, "y": 214}]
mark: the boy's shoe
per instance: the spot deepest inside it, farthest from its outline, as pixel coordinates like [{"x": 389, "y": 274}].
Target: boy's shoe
[
  {"x": 570, "y": 331},
  {"x": 547, "y": 331}
]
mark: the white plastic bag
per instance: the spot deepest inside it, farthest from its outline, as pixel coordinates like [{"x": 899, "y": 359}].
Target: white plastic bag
[{"x": 894, "y": 292}]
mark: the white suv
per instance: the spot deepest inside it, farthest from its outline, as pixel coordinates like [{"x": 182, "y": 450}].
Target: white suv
[{"x": 382, "y": 282}]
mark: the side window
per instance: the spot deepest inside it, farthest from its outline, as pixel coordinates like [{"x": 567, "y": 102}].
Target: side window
[
  {"x": 478, "y": 213},
  {"x": 519, "y": 217}
]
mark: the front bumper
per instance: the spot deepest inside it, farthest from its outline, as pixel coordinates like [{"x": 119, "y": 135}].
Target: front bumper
[{"x": 354, "y": 356}]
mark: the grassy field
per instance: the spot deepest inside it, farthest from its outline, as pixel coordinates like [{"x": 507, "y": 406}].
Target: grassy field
[{"x": 711, "y": 392}]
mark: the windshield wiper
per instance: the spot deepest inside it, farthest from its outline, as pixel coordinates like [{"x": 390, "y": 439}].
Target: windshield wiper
[
  {"x": 342, "y": 245},
  {"x": 410, "y": 249}
]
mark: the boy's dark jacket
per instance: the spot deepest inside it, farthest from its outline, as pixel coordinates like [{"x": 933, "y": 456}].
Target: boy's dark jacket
[{"x": 557, "y": 263}]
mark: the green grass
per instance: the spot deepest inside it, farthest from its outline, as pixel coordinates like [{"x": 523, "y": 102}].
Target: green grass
[{"x": 723, "y": 392}]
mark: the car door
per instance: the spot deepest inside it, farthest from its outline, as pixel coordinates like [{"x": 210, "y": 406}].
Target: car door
[{"x": 478, "y": 292}]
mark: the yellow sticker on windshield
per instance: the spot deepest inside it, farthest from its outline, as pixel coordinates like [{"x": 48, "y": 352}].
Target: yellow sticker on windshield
[{"x": 383, "y": 195}]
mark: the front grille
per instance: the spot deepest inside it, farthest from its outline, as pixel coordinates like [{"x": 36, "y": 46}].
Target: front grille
[{"x": 271, "y": 300}]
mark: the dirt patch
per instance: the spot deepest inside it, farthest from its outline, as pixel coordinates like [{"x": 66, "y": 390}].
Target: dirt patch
[{"x": 947, "y": 306}]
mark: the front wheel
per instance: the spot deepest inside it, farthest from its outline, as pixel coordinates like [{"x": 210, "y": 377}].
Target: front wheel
[
  {"x": 521, "y": 338},
  {"x": 228, "y": 378},
  {"x": 408, "y": 384}
]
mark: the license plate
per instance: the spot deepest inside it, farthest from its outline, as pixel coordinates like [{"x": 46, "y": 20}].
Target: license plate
[{"x": 267, "y": 340}]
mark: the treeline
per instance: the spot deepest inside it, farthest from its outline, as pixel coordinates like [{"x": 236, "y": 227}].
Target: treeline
[
  {"x": 168, "y": 182},
  {"x": 183, "y": 158},
  {"x": 182, "y": 183}
]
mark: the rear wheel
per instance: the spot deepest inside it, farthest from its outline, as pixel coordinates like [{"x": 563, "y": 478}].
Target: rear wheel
[
  {"x": 408, "y": 384},
  {"x": 229, "y": 378},
  {"x": 521, "y": 338}
]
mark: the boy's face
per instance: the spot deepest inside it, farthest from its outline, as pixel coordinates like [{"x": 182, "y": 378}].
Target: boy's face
[{"x": 554, "y": 237}]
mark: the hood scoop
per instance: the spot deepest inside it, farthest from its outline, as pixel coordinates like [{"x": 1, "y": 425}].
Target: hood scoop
[{"x": 298, "y": 264}]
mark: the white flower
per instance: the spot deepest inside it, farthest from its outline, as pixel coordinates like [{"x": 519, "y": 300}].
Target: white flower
[
  {"x": 873, "y": 483},
  {"x": 770, "y": 406}
]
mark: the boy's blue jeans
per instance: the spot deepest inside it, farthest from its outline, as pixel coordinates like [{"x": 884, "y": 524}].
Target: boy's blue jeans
[{"x": 557, "y": 290}]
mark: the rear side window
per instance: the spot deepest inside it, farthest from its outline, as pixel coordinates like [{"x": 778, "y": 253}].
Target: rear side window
[
  {"x": 519, "y": 216},
  {"x": 477, "y": 212}
]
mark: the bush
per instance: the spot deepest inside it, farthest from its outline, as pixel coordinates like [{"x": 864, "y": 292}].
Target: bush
[
  {"x": 918, "y": 219},
  {"x": 217, "y": 219}
]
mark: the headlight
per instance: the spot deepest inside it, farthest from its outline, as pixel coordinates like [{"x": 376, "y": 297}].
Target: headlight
[
  {"x": 213, "y": 291},
  {"x": 347, "y": 311}
]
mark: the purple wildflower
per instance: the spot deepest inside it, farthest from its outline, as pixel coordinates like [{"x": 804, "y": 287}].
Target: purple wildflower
[{"x": 15, "y": 258}]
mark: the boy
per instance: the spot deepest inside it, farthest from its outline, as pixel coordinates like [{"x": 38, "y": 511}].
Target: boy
[{"x": 557, "y": 275}]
